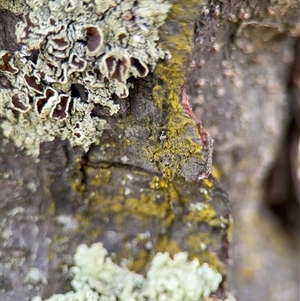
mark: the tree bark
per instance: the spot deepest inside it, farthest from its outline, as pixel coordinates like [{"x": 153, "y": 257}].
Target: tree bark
[{"x": 136, "y": 190}]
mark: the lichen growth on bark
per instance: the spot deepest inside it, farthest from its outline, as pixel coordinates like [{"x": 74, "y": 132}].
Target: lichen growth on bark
[
  {"x": 17, "y": 6},
  {"x": 96, "y": 277},
  {"x": 155, "y": 210},
  {"x": 180, "y": 151},
  {"x": 76, "y": 55}
]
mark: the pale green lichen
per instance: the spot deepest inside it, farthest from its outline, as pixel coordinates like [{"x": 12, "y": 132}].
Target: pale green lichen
[
  {"x": 17, "y": 6},
  {"x": 97, "y": 278},
  {"x": 29, "y": 130},
  {"x": 87, "y": 50}
]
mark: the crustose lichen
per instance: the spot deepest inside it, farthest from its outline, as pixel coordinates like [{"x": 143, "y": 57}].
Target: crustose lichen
[{"x": 77, "y": 54}]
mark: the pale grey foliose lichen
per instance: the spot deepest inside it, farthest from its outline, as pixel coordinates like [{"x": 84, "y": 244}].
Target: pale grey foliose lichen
[
  {"x": 97, "y": 278},
  {"x": 77, "y": 54}
]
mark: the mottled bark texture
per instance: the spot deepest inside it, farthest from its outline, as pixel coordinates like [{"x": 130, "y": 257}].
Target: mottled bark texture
[
  {"x": 136, "y": 190},
  {"x": 246, "y": 92}
]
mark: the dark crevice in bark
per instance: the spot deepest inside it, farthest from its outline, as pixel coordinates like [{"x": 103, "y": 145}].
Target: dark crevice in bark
[{"x": 282, "y": 194}]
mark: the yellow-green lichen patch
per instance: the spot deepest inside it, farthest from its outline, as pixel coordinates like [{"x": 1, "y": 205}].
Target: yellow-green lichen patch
[
  {"x": 178, "y": 40},
  {"x": 208, "y": 183},
  {"x": 153, "y": 207},
  {"x": 99, "y": 176},
  {"x": 158, "y": 183},
  {"x": 140, "y": 261},
  {"x": 150, "y": 204},
  {"x": 176, "y": 149},
  {"x": 145, "y": 215},
  {"x": 204, "y": 213},
  {"x": 211, "y": 259},
  {"x": 201, "y": 218},
  {"x": 167, "y": 245},
  {"x": 201, "y": 247},
  {"x": 216, "y": 172},
  {"x": 201, "y": 241}
]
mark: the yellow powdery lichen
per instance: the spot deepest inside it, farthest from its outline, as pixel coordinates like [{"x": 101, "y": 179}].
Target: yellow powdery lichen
[
  {"x": 160, "y": 203},
  {"x": 176, "y": 149},
  {"x": 204, "y": 214},
  {"x": 97, "y": 278},
  {"x": 76, "y": 55}
]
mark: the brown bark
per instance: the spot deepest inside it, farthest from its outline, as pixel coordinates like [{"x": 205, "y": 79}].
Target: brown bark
[{"x": 237, "y": 78}]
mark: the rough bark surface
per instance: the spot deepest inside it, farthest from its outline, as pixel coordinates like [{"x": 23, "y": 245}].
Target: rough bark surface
[
  {"x": 134, "y": 192},
  {"x": 245, "y": 54}
]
